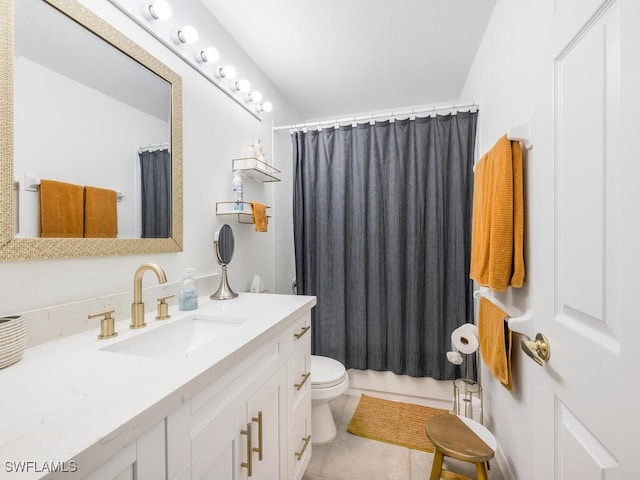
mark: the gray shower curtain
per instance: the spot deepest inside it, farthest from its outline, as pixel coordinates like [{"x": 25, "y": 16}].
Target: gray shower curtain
[
  {"x": 155, "y": 170},
  {"x": 382, "y": 229}
]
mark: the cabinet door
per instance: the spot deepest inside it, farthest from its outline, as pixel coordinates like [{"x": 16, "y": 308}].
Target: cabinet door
[
  {"x": 215, "y": 460},
  {"x": 119, "y": 467},
  {"x": 299, "y": 451},
  {"x": 151, "y": 454},
  {"x": 143, "y": 459},
  {"x": 258, "y": 433}
]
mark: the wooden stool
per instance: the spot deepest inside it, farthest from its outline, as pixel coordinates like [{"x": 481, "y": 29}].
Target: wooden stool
[{"x": 460, "y": 438}]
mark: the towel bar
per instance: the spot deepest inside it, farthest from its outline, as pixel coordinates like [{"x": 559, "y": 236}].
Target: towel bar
[
  {"x": 521, "y": 133},
  {"x": 32, "y": 184},
  {"x": 521, "y": 324}
]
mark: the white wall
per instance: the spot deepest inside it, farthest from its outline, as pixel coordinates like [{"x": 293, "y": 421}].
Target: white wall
[
  {"x": 500, "y": 80},
  {"x": 216, "y": 129}
]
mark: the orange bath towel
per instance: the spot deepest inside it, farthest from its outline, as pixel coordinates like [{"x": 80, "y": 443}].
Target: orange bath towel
[
  {"x": 61, "y": 209},
  {"x": 259, "y": 216},
  {"x": 100, "y": 213},
  {"x": 495, "y": 341},
  {"x": 497, "y": 231}
]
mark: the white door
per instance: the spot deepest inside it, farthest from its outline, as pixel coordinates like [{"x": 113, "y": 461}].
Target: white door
[{"x": 584, "y": 204}]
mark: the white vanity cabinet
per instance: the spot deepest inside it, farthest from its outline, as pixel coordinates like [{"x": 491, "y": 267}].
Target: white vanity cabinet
[
  {"x": 241, "y": 426},
  {"x": 154, "y": 416}
]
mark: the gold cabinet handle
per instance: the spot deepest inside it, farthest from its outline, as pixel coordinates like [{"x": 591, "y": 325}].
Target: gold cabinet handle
[
  {"x": 537, "y": 349},
  {"x": 248, "y": 464},
  {"x": 305, "y": 377},
  {"x": 304, "y": 447},
  {"x": 304, "y": 330},
  {"x": 259, "y": 449}
]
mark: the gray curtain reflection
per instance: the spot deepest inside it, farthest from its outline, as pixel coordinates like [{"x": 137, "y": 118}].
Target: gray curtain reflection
[
  {"x": 382, "y": 219},
  {"x": 155, "y": 168},
  {"x": 225, "y": 244}
]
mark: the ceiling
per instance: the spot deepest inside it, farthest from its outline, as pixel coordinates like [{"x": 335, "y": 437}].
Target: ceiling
[{"x": 340, "y": 57}]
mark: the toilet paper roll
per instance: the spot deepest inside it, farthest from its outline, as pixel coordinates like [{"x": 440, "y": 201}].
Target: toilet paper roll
[
  {"x": 469, "y": 407},
  {"x": 465, "y": 338}
]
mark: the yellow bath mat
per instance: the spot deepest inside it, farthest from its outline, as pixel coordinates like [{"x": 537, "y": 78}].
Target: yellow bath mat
[{"x": 392, "y": 422}]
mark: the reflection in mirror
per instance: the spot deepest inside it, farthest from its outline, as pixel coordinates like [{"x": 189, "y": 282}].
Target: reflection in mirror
[
  {"x": 90, "y": 107},
  {"x": 223, "y": 244},
  {"x": 89, "y": 111}
]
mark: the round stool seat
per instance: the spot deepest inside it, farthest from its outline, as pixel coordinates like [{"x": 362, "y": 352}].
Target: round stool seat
[
  {"x": 326, "y": 372},
  {"x": 460, "y": 438}
]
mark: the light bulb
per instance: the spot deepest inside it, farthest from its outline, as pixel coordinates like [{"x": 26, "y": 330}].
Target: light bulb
[
  {"x": 241, "y": 85},
  {"x": 209, "y": 54},
  {"x": 267, "y": 106},
  {"x": 254, "y": 96},
  {"x": 187, "y": 34},
  {"x": 159, "y": 10},
  {"x": 228, "y": 72}
]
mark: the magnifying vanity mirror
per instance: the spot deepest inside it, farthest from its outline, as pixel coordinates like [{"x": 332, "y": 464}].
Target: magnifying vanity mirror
[
  {"x": 223, "y": 244},
  {"x": 84, "y": 105}
]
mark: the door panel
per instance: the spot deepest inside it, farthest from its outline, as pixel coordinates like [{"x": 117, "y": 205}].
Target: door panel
[
  {"x": 589, "y": 458},
  {"x": 584, "y": 160}
]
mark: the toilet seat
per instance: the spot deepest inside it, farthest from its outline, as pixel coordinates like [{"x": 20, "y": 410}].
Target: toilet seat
[{"x": 326, "y": 372}]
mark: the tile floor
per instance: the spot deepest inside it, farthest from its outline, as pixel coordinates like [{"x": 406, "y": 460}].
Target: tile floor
[{"x": 350, "y": 457}]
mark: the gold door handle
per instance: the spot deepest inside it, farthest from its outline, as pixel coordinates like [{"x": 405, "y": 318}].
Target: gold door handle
[
  {"x": 537, "y": 349},
  {"x": 304, "y": 330},
  {"x": 304, "y": 447},
  {"x": 248, "y": 464},
  {"x": 259, "y": 449},
  {"x": 305, "y": 377}
]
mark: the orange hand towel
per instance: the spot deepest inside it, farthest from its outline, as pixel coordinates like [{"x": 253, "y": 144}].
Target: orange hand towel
[
  {"x": 61, "y": 209},
  {"x": 259, "y": 216},
  {"x": 495, "y": 341},
  {"x": 497, "y": 227},
  {"x": 100, "y": 213}
]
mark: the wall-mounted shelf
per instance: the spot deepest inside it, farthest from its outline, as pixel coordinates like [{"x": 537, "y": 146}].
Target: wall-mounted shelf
[
  {"x": 256, "y": 169},
  {"x": 244, "y": 216}
]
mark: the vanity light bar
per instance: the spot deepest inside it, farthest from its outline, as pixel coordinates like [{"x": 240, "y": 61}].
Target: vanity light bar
[{"x": 184, "y": 41}]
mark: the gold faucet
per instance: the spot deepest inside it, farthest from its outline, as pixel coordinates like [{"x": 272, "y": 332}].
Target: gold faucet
[{"x": 137, "y": 307}]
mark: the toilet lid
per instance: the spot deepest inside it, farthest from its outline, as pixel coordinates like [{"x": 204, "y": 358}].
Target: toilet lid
[{"x": 326, "y": 372}]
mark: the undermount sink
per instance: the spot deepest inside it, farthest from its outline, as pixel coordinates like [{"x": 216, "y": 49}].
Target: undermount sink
[{"x": 177, "y": 340}]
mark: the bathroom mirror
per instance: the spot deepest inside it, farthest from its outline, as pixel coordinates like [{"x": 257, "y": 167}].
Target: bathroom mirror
[
  {"x": 223, "y": 244},
  {"x": 120, "y": 78}
]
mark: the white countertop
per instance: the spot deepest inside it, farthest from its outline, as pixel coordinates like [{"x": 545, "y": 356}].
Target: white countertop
[{"x": 66, "y": 396}]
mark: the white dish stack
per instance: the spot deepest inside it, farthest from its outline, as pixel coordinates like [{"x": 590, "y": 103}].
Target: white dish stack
[{"x": 13, "y": 339}]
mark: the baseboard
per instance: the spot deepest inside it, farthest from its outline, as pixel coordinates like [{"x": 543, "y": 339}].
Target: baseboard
[
  {"x": 503, "y": 464},
  {"x": 398, "y": 397}
]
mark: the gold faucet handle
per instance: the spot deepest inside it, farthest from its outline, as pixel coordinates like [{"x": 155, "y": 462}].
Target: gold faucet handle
[
  {"x": 163, "y": 308},
  {"x": 107, "y": 324}
]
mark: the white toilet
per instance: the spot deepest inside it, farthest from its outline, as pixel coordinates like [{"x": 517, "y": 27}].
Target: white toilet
[{"x": 329, "y": 379}]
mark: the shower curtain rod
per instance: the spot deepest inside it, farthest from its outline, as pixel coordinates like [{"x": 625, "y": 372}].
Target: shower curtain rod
[
  {"x": 157, "y": 146},
  {"x": 454, "y": 107}
]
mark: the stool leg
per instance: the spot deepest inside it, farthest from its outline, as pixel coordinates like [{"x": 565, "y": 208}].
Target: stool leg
[
  {"x": 481, "y": 471},
  {"x": 436, "y": 469}
]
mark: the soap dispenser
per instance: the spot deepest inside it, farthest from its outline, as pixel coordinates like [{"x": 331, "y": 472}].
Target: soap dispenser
[{"x": 188, "y": 295}]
